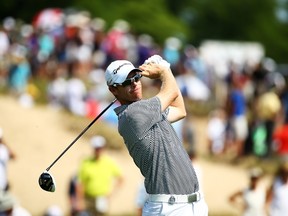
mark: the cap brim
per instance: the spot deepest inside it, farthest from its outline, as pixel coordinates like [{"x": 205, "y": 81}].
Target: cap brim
[{"x": 136, "y": 69}]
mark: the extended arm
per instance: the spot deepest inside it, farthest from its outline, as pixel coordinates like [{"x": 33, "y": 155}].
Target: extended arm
[{"x": 169, "y": 94}]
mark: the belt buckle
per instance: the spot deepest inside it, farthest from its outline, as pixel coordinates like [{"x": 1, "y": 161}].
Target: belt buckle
[
  {"x": 171, "y": 200},
  {"x": 193, "y": 198}
]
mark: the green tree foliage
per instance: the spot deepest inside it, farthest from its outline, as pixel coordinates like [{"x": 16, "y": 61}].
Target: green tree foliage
[
  {"x": 26, "y": 9},
  {"x": 243, "y": 20},
  {"x": 147, "y": 16}
]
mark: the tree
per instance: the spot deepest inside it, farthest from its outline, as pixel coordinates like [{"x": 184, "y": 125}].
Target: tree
[
  {"x": 26, "y": 9},
  {"x": 149, "y": 16},
  {"x": 244, "y": 20}
]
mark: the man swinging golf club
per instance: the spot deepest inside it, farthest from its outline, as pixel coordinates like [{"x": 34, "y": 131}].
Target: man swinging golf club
[{"x": 145, "y": 125}]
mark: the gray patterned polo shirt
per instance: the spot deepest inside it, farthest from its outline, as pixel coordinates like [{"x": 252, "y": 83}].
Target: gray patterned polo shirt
[{"x": 155, "y": 148}]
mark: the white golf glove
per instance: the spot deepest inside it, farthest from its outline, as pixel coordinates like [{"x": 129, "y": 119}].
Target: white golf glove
[{"x": 157, "y": 60}]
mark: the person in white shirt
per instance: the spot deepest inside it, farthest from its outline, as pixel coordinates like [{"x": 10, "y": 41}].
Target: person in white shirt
[
  {"x": 253, "y": 196},
  {"x": 10, "y": 207},
  {"x": 277, "y": 196}
]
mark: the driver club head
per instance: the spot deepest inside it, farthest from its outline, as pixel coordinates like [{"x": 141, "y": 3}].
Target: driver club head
[{"x": 47, "y": 182}]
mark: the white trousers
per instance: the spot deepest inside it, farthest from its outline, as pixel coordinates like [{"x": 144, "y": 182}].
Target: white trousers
[{"x": 199, "y": 208}]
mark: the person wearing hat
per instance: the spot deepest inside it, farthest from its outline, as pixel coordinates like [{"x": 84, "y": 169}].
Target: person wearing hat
[
  {"x": 145, "y": 125},
  {"x": 98, "y": 176},
  {"x": 251, "y": 199},
  {"x": 277, "y": 196},
  {"x": 9, "y": 205}
]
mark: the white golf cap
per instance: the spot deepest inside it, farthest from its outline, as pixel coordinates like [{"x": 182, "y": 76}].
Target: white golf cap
[
  {"x": 117, "y": 71},
  {"x": 98, "y": 141}
]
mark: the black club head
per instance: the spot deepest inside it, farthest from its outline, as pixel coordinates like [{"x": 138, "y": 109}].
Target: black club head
[{"x": 47, "y": 182}]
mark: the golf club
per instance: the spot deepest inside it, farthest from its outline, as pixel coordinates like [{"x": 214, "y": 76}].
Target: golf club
[{"x": 46, "y": 180}]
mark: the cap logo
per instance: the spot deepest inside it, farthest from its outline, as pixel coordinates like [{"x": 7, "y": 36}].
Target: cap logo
[{"x": 116, "y": 70}]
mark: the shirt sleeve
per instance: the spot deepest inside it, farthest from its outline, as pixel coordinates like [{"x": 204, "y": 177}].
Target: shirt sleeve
[{"x": 144, "y": 114}]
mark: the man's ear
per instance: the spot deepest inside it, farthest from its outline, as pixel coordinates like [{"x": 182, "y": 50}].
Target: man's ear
[{"x": 113, "y": 90}]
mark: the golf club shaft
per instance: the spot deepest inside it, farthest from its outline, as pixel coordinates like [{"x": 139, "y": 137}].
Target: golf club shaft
[{"x": 85, "y": 129}]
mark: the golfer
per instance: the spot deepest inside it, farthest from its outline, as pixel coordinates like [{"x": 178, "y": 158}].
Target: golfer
[{"x": 145, "y": 125}]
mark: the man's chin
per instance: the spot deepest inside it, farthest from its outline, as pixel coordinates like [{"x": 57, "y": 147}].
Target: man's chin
[{"x": 136, "y": 99}]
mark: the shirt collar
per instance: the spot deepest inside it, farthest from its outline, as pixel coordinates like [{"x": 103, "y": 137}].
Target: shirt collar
[{"x": 120, "y": 109}]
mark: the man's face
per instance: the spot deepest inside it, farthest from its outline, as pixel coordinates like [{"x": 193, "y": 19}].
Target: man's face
[
  {"x": 97, "y": 152},
  {"x": 128, "y": 93}
]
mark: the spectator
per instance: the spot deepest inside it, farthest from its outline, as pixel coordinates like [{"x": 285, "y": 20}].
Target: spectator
[
  {"x": 171, "y": 51},
  {"x": 267, "y": 103},
  {"x": 280, "y": 140},
  {"x": 277, "y": 196},
  {"x": 73, "y": 194},
  {"x": 117, "y": 42},
  {"x": 268, "y": 108},
  {"x": 19, "y": 70},
  {"x": 56, "y": 90},
  {"x": 10, "y": 207},
  {"x": 196, "y": 65},
  {"x": 253, "y": 197},
  {"x": 4, "y": 47},
  {"x": 96, "y": 179},
  {"x": 76, "y": 93},
  {"x": 46, "y": 46},
  {"x": 236, "y": 108},
  {"x": 216, "y": 132},
  {"x": 4, "y": 43},
  {"x": 145, "y": 45}
]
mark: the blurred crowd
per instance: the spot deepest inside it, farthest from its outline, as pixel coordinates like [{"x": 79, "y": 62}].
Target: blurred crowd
[{"x": 70, "y": 51}]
